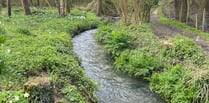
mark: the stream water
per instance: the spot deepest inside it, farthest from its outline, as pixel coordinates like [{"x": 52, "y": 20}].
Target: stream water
[{"x": 115, "y": 87}]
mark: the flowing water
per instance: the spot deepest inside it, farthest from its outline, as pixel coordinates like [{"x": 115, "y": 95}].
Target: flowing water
[{"x": 115, "y": 87}]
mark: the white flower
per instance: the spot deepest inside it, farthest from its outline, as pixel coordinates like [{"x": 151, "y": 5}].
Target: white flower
[
  {"x": 26, "y": 95},
  {"x": 17, "y": 98},
  {"x": 10, "y": 101},
  {"x": 8, "y": 51}
]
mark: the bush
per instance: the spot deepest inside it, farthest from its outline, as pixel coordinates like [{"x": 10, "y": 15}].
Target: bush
[
  {"x": 173, "y": 85},
  {"x": 182, "y": 48},
  {"x": 137, "y": 63},
  {"x": 118, "y": 41},
  {"x": 103, "y": 32},
  {"x": 72, "y": 94}
]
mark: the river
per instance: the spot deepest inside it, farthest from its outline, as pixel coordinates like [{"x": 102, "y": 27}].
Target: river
[{"x": 115, "y": 87}]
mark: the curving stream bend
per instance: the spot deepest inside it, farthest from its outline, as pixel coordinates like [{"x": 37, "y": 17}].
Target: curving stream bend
[{"x": 114, "y": 87}]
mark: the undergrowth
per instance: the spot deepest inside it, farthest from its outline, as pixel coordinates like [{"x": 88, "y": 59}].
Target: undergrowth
[
  {"x": 177, "y": 68},
  {"x": 41, "y": 45}
]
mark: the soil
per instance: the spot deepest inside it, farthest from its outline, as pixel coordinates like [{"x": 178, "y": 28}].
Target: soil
[{"x": 164, "y": 31}]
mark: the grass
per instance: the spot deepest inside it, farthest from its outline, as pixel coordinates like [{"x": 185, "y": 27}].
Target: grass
[
  {"x": 181, "y": 25},
  {"x": 41, "y": 45}
]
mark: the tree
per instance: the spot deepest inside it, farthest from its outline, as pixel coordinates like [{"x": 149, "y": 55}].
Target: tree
[
  {"x": 9, "y": 13},
  {"x": 26, "y": 7},
  {"x": 61, "y": 7},
  {"x": 181, "y": 10},
  {"x": 3, "y": 3},
  {"x": 134, "y": 11},
  {"x": 99, "y": 7}
]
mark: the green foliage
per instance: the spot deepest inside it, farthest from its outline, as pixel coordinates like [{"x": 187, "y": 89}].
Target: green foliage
[
  {"x": 137, "y": 63},
  {"x": 103, "y": 32},
  {"x": 2, "y": 39},
  {"x": 24, "y": 31},
  {"x": 2, "y": 31},
  {"x": 184, "y": 48},
  {"x": 119, "y": 41},
  {"x": 72, "y": 94},
  {"x": 44, "y": 48},
  {"x": 181, "y": 25},
  {"x": 173, "y": 85},
  {"x": 13, "y": 97}
]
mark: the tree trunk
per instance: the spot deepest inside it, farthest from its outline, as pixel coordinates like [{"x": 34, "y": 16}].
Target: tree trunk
[
  {"x": 99, "y": 7},
  {"x": 62, "y": 8},
  {"x": 68, "y": 3},
  {"x": 181, "y": 10},
  {"x": 26, "y": 8},
  {"x": 58, "y": 6},
  {"x": 9, "y": 8},
  {"x": 3, "y": 3},
  {"x": 38, "y": 3},
  {"x": 207, "y": 15}
]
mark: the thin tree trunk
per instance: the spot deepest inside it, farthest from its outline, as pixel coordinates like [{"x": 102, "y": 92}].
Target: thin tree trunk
[
  {"x": 58, "y": 6},
  {"x": 99, "y": 7},
  {"x": 68, "y": 3},
  {"x": 26, "y": 8},
  {"x": 62, "y": 8},
  {"x": 3, "y": 3},
  {"x": 9, "y": 8}
]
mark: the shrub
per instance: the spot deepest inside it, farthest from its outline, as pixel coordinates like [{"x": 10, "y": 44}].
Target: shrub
[
  {"x": 118, "y": 41},
  {"x": 137, "y": 63},
  {"x": 103, "y": 32},
  {"x": 173, "y": 85},
  {"x": 183, "y": 48},
  {"x": 72, "y": 94}
]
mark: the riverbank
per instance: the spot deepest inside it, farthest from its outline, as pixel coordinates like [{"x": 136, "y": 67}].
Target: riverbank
[
  {"x": 176, "y": 67},
  {"x": 37, "y": 56}
]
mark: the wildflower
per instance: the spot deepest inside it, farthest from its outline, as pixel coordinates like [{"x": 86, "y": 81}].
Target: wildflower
[
  {"x": 26, "y": 95},
  {"x": 8, "y": 51},
  {"x": 17, "y": 98}
]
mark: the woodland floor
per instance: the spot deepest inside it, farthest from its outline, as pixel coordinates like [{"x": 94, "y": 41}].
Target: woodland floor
[{"x": 164, "y": 31}]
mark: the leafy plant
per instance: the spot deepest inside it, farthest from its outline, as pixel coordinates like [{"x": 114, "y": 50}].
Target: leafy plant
[
  {"x": 24, "y": 31},
  {"x": 173, "y": 85},
  {"x": 183, "y": 48},
  {"x": 2, "y": 31},
  {"x": 118, "y": 41},
  {"x": 72, "y": 94},
  {"x": 137, "y": 63},
  {"x": 103, "y": 33},
  {"x": 13, "y": 97}
]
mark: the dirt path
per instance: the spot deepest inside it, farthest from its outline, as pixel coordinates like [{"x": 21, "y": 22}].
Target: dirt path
[{"x": 164, "y": 31}]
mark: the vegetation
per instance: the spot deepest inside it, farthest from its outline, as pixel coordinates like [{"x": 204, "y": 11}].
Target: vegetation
[
  {"x": 37, "y": 63},
  {"x": 180, "y": 25},
  {"x": 169, "y": 65},
  {"x": 44, "y": 49}
]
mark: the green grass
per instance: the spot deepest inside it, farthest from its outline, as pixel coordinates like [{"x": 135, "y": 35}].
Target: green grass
[
  {"x": 39, "y": 45},
  {"x": 181, "y": 25}
]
